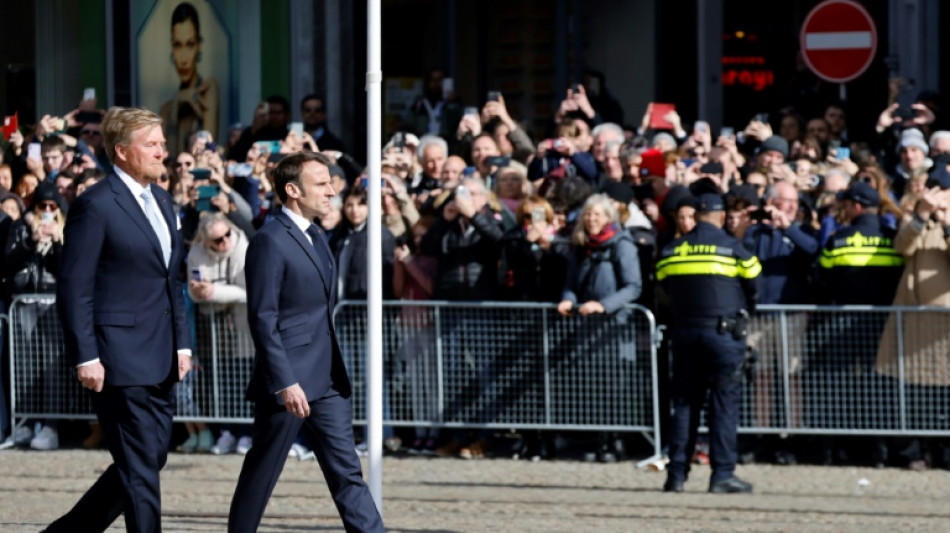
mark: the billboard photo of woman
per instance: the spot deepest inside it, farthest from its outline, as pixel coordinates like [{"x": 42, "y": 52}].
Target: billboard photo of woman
[{"x": 183, "y": 51}]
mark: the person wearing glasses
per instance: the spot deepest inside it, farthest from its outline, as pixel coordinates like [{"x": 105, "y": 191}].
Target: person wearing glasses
[
  {"x": 314, "y": 112},
  {"x": 216, "y": 284},
  {"x": 32, "y": 261}
]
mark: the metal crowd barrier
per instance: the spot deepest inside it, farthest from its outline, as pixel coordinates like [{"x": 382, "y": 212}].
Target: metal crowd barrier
[
  {"x": 508, "y": 365},
  {"x": 855, "y": 370},
  {"x": 487, "y": 365},
  {"x": 820, "y": 370}
]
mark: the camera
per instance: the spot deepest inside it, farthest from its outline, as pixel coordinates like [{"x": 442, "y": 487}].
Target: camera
[{"x": 760, "y": 215}]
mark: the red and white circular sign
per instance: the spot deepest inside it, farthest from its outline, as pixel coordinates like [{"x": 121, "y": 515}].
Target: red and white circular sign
[{"x": 838, "y": 40}]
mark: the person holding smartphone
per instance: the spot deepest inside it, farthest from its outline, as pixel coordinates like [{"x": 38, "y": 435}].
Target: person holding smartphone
[
  {"x": 535, "y": 256},
  {"x": 33, "y": 256}
]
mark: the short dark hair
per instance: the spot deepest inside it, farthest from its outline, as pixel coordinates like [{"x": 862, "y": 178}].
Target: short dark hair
[
  {"x": 279, "y": 100},
  {"x": 52, "y": 142},
  {"x": 289, "y": 168},
  {"x": 312, "y": 96}
]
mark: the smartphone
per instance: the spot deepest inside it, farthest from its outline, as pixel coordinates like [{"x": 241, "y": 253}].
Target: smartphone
[
  {"x": 296, "y": 127},
  {"x": 47, "y": 217},
  {"x": 33, "y": 151},
  {"x": 760, "y": 214},
  {"x": 240, "y": 170},
  {"x": 498, "y": 161},
  {"x": 201, "y": 174},
  {"x": 576, "y": 88},
  {"x": 399, "y": 140},
  {"x": 211, "y": 147},
  {"x": 89, "y": 93},
  {"x": 462, "y": 191},
  {"x": 469, "y": 171},
  {"x": 203, "y": 135},
  {"x": 537, "y": 215},
  {"x": 271, "y": 147},
  {"x": 448, "y": 87},
  {"x": 89, "y": 117},
  {"x": 196, "y": 274},
  {"x": 727, "y": 132},
  {"x": 205, "y": 194},
  {"x": 471, "y": 111},
  {"x": 905, "y": 97},
  {"x": 762, "y": 117},
  {"x": 493, "y": 96},
  {"x": 59, "y": 124},
  {"x": 842, "y": 153},
  {"x": 701, "y": 126}
]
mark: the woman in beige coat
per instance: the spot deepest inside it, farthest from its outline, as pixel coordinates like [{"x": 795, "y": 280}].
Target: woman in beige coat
[{"x": 924, "y": 240}]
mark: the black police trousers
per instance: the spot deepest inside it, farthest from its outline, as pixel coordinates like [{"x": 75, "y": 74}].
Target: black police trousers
[{"x": 705, "y": 363}]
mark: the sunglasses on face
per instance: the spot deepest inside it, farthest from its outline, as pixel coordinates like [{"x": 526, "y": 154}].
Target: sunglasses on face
[
  {"x": 47, "y": 206},
  {"x": 220, "y": 239}
]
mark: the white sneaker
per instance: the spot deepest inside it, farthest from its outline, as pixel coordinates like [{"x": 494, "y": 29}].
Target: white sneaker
[
  {"x": 244, "y": 445},
  {"x": 21, "y": 436},
  {"x": 309, "y": 456},
  {"x": 46, "y": 439},
  {"x": 226, "y": 444},
  {"x": 297, "y": 451}
]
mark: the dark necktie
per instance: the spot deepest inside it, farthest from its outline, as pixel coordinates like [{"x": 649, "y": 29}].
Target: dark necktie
[{"x": 319, "y": 245}]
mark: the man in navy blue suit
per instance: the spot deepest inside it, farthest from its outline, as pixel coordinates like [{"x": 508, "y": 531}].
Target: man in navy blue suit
[
  {"x": 124, "y": 321},
  {"x": 299, "y": 378}
]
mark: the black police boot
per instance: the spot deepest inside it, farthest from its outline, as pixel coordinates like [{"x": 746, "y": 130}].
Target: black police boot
[
  {"x": 673, "y": 485},
  {"x": 733, "y": 484}
]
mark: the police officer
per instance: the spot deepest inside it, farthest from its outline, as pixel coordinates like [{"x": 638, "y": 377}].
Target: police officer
[
  {"x": 709, "y": 278},
  {"x": 859, "y": 266}
]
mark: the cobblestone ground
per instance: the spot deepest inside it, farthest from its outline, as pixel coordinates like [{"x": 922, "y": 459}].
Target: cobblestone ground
[{"x": 502, "y": 495}]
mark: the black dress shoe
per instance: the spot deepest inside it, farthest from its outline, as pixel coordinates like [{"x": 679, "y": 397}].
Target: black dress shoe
[
  {"x": 673, "y": 485},
  {"x": 730, "y": 485}
]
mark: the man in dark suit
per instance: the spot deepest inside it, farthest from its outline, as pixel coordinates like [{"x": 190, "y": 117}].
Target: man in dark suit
[
  {"x": 124, "y": 321},
  {"x": 299, "y": 378}
]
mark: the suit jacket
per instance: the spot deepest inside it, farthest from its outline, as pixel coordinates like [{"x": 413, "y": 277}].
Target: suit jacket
[
  {"x": 117, "y": 299},
  {"x": 290, "y": 299}
]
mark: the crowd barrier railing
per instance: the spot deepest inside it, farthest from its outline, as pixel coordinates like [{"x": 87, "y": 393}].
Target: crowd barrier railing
[
  {"x": 494, "y": 365},
  {"x": 476, "y": 365},
  {"x": 848, "y": 370}
]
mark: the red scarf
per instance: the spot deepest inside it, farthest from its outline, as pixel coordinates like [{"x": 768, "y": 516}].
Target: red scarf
[{"x": 596, "y": 241}]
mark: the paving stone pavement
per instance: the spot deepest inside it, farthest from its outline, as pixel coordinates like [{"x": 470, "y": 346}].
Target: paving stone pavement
[{"x": 430, "y": 495}]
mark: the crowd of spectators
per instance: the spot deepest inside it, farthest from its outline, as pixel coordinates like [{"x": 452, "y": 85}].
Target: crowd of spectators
[{"x": 477, "y": 206}]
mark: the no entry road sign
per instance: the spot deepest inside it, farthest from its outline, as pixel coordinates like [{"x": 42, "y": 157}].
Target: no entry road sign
[{"x": 838, "y": 40}]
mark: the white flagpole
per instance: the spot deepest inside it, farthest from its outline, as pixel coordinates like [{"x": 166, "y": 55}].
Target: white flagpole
[{"x": 374, "y": 366}]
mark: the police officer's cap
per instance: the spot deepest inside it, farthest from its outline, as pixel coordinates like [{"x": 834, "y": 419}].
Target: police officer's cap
[
  {"x": 861, "y": 193},
  {"x": 708, "y": 202}
]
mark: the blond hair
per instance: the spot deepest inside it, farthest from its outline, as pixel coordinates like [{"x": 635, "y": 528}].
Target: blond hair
[
  {"x": 580, "y": 237},
  {"x": 119, "y": 123}
]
